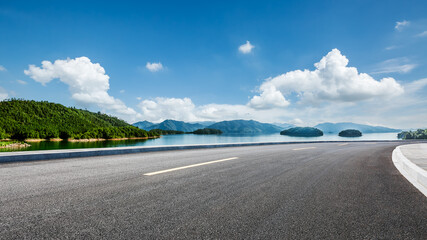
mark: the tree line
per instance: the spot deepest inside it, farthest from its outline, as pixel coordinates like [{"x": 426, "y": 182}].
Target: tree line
[
  {"x": 22, "y": 119},
  {"x": 418, "y": 134},
  {"x": 207, "y": 131}
]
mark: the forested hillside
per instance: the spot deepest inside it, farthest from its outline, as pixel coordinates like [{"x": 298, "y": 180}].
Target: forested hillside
[
  {"x": 418, "y": 134},
  {"x": 245, "y": 127},
  {"x": 21, "y": 119},
  {"x": 169, "y": 125}
]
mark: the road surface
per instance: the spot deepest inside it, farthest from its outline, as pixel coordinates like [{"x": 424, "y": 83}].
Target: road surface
[{"x": 294, "y": 191}]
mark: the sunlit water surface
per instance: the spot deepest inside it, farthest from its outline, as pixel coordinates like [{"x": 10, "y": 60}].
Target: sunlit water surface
[{"x": 185, "y": 139}]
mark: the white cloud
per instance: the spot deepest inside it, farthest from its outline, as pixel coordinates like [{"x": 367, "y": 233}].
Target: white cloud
[
  {"x": 138, "y": 98},
  {"x": 415, "y": 86},
  {"x": 22, "y": 82},
  {"x": 184, "y": 109},
  {"x": 154, "y": 67},
  {"x": 423, "y": 34},
  {"x": 403, "y": 111},
  {"x": 296, "y": 121},
  {"x": 399, "y": 65},
  {"x": 2, "y": 69},
  {"x": 400, "y": 25},
  {"x": 343, "y": 92},
  {"x": 160, "y": 109},
  {"x": 390, "y": 47},
  {"x": 122, "y": 91},
  {"x": 269, "y": 98},
  {"x": 246, "y": 48},
  {"x": 87, "y": 83},
  {"x": 3, "y": 94},
  {"x": 332, "y": 80}
]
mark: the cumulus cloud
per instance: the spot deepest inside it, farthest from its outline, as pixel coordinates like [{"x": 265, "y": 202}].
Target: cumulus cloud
[
  {"x": 87, "y": 82},
  {"x": 269, "y": 98},
  {"x": 3, "y": 94},
  {"x": 246, "y": 48},
  {"x": 296, "y": 121},
  {"x": 2, "y": 69},
  {"x": 332, "y": 80},
  {"x": 341, "y": 89},
  {"x": 154, "y": 67},
  {"x": 399, "y": 65},
  {"x": 160, "y": 109},
  {"x": 400, "y": 25}
]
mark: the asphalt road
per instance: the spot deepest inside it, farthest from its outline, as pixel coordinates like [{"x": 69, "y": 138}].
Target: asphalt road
[{"x": 295, "y": 191}]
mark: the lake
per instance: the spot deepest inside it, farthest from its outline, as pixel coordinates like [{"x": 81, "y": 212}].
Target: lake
[{"x": 185, "y": 139}]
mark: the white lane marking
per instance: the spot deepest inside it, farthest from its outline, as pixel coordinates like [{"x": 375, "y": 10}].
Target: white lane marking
[
  {"x": 297, "y": 149},
  {"x": 189, "y": 166},
  {"x": 370, "y": 143},
  {"x": 342, "y": 144}
]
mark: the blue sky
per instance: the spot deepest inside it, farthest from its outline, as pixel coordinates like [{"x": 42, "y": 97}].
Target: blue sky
[{"x": 156, "y": 60}]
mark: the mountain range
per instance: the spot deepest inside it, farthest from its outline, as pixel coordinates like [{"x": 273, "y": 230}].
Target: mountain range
[
  {"x": 144, "y": 125},
  {"x": 230, "y": 127},
  {"x": 337, "y": 127},
  {"x": 254, "y": 127},
  {"x": 170, "y": 125}
]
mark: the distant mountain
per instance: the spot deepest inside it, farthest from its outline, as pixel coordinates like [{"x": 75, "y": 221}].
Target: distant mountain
[
  {"x": 284, "y": 125},
  {"x": 143, "y": 125},
  {"x": 338, "y": 127},
  {"x": 205, "y": 123},
  {"x": 170, "y": 125},
  {"x": 245, "y": 127}
]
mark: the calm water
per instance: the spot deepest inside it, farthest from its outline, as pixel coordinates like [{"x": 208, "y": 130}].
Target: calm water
[{"x": 185, "y": 139}]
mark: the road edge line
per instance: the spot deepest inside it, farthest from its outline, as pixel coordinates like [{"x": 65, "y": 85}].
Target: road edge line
[
  {"x": 414, "y": 174},
  {"x": 44, "y": 155}
]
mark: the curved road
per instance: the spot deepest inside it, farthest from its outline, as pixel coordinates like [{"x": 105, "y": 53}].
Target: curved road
[{"x": 293, "y": 191}]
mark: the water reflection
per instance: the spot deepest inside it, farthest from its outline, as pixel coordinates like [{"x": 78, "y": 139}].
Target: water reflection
[{"x": 185, "y": 139}]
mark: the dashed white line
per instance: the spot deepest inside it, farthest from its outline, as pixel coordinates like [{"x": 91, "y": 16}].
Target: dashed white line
[
  {"x": 189, "y": 166},
  {"x": 297, "y": 149},
  {"x": 342, "y": 144}
]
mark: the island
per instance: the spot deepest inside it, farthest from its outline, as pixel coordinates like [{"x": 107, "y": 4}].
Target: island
[
  {"x": 245, "y": 127},
  {"x": 350, "y": 133},
  {"x": 206, "y": 131},
  {"x": 302, "y": 132}
]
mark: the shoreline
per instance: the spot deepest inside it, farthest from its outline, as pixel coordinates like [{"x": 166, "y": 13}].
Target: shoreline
[
  {"x": 29, "y": 140},
  {"x": 111, "y": 139},
  {"x": 16, "y": 145}
]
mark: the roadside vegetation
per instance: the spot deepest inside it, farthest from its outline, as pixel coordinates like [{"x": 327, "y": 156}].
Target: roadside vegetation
[
  {"x": 26, "y": 119},
  {"x": 418, "y": 134},
  {"x": 350, "y": 133},
  {"x": 5, "y": 143}
]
